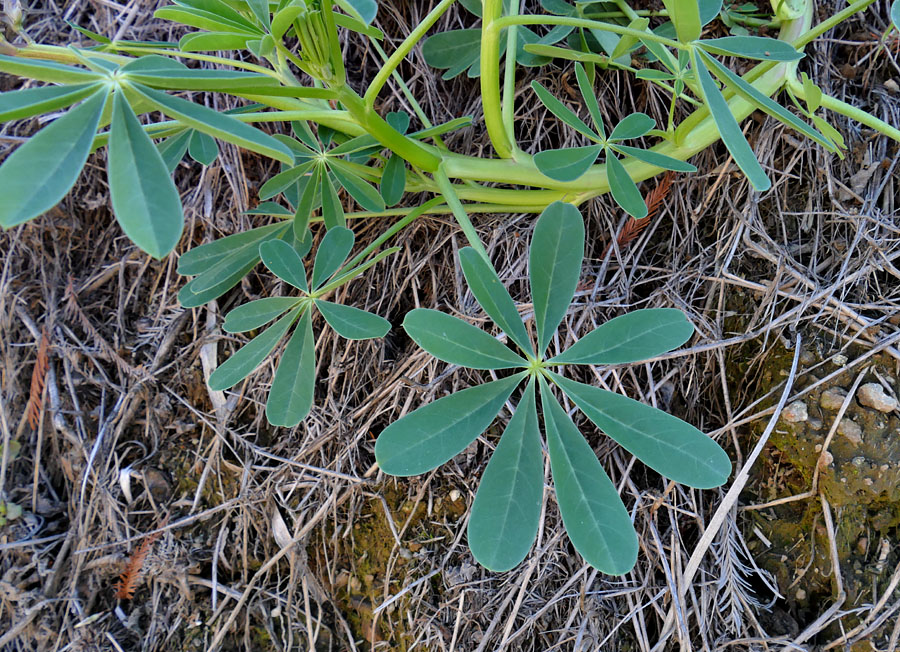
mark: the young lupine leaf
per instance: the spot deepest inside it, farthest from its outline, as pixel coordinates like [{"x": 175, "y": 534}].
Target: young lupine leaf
[
  {"x": 284, "y": 262},
  {"x": 455, "y": 49},
  {"x": 333, "y": 251},
  {"x": 763, "y": 103},
  {"x": 623, "y": 188},
  {"x": 174, "y": 148},
  {"x": 203, "y": 148},
  {"x": 452, "y": 340},
  {"x": 364, "y": 194},
  {"x": 284, "y": 179},
  {"x": 305, "y": 205},
  {"x": 212, "y": 285},
  {"x": 506, "y": 513},
  {"x": 632, "y": 337},
  {"x": 393, "y": 180},
  {"x": 352, "y": 323},
  {"x": 653, "y": 158},
  {"x": 728, "y": 128},
  {"x": 256, "y": 313},
  {"x": 434, "y": 434},
  {"x": 567, "y": 164},
  {"x": 332, "y": 210},
  {"x": 144, "y": 197},
  {"x": 291, "y": 394},
  {"x": 563, "y": 112},
  {"x": 488, "y": 290},
  {"x": 554, "y": 266},
  {"x": 590, "y": 99},
  {"x": 200, "y": 259},
  {"x": 219, "y": 125},
  {"x": 632, "y": 126},
  {"x": 592, "y": 512},
  {"x": 46, "y": 71},
  {"x": 665, "y": 443},
  {"x": 751, "y": 47},
  {"x": 243, "y": 361},
  {"x": 260, "y": 9},
  {"x": 16, "y": 105},
  {"x": 42, "y": 170}
]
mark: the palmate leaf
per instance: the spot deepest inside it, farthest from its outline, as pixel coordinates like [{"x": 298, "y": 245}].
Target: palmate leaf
[
  {"x": 493, "y": 297},
  {"x": 665, "y": 443},
  {"x": 291, "y": 396},
  {"x": 352, "y": 323},
  {"x": 452, "y": 340},
  {"x": 243, "y": 361},
  {"x": 434, "y": 434},
  {"x": 144, "y": 197},
  {"x": 256, "y": 313},
  {"x": 39, "y": 173},
  {"x": 593, "y": 514},
  {"x": 506, "y": 513},
  {"x": 632, "y": 337},
  {"x": 554, "y": 266}
]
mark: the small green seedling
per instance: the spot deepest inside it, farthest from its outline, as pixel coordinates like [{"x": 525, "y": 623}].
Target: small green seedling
[{"x": 505, "y": 515}]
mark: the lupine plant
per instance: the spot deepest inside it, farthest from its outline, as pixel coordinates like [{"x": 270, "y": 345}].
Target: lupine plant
[{"x": 282, "y": 59}]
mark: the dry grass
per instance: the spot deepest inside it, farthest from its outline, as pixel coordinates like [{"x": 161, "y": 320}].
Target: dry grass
[{"x": 291, "y": 539}]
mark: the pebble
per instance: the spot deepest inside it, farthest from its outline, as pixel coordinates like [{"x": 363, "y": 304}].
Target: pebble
[
  {"x": 454, "y": 495},
  {"x": 840, "y": 359},
  {"x": 795, "y": 412},
  {"x": 891, "y": 86},
  {"x": 872, "y": 395},
  {"x": 832, "y": 398},
  {"x": 851, "y": 430}
]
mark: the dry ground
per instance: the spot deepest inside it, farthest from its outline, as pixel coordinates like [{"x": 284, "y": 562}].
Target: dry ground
[{"x": 131, "y": 442}]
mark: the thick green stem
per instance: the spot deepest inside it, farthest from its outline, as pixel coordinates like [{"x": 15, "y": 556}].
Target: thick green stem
[
  {"x": 401, "y": 52},
  {"x": 847, "y": 110},
  {"x": 490, "y": 78},
  {"x": 508, "y": 109}
]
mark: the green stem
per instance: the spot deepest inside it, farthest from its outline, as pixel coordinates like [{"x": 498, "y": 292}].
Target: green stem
[
  {"x": 462, "y": 218},
  {"x": 508, "y": 105},
  {"x": 490, "y": 78},
  {"x": 847, "y": 110},
  {"x": 812, "y": 34},
  {"x": 401, "y": 52}
]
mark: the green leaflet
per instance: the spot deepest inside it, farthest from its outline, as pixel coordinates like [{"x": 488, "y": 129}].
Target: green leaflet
[
  {"x": 16, "y": 105},
  {"x": 332, "y": 252},
  {"x": 40, "y": 172},
  {"x": 393, "y": 180},
  {"x": 203, "y": 148},
  {"x": 567, "y": 164},
  {"x": 506, "y": 513},
  {"x": 364, "y": 194},
  {"x": 283, "y": 261},
  {"x": 751, "y": 47},
  {"x": 306, "y": 204},
  {"x": 208, "y": 21},
  {"x": 46, "y": 71},
  {"x": 631, "y": 126},
  {"x": 352, "y": 323},
  {"x": 283, "y": 180},
  {"x": 728, "y": 128},
  {"x": 174, "y": 148},
  {"x": 562, "y": 112},
  {"x": 202, "y": 290},
  {"x": 435, "y": 433},
  {"x": 243, "y": 361},
  {"x": 256, "y": 313},
  {"x": 215, "y": 41},
  {"x": 593, "y": 514},
  {"x": 653, "y": 158},
  {"x": 332, "y": 211},
  {"x": 201, "y": 259},
  {"x": 632, "y": 337},
  {"x": 365, "y": 10},
  {"x": 665, "y": 443},
  {"x": 291, "y": 395},
  {"x": 554, "y": 266},
  {"x": 590, "y": 99},
  {"x": 623, "y": 188},
  {"x": 219, "y": 125},
  {"x": 452, "y": 340},
  {"x": 685, "y": 14},
  {"x": 493, "y": 297},
  {"x": 144, "y": 197},
  {"x": 202, "y": 79},
  {"x": 455, "y": 50}
]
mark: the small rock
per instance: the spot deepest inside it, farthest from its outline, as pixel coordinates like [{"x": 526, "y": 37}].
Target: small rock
[
  {"x": 814, "y": 424},
  {"x": 872, "y": 395},
  {"x": 840, "y": 359},
  {"x": 832, "y": 398},
  {"x": 891, "y": 86},
  {"x": 851, "y": 430},
  {"x": 801, "y": 594},
  {"x": 795, "y": 412},
  {"x": 454, "y": 495}
]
